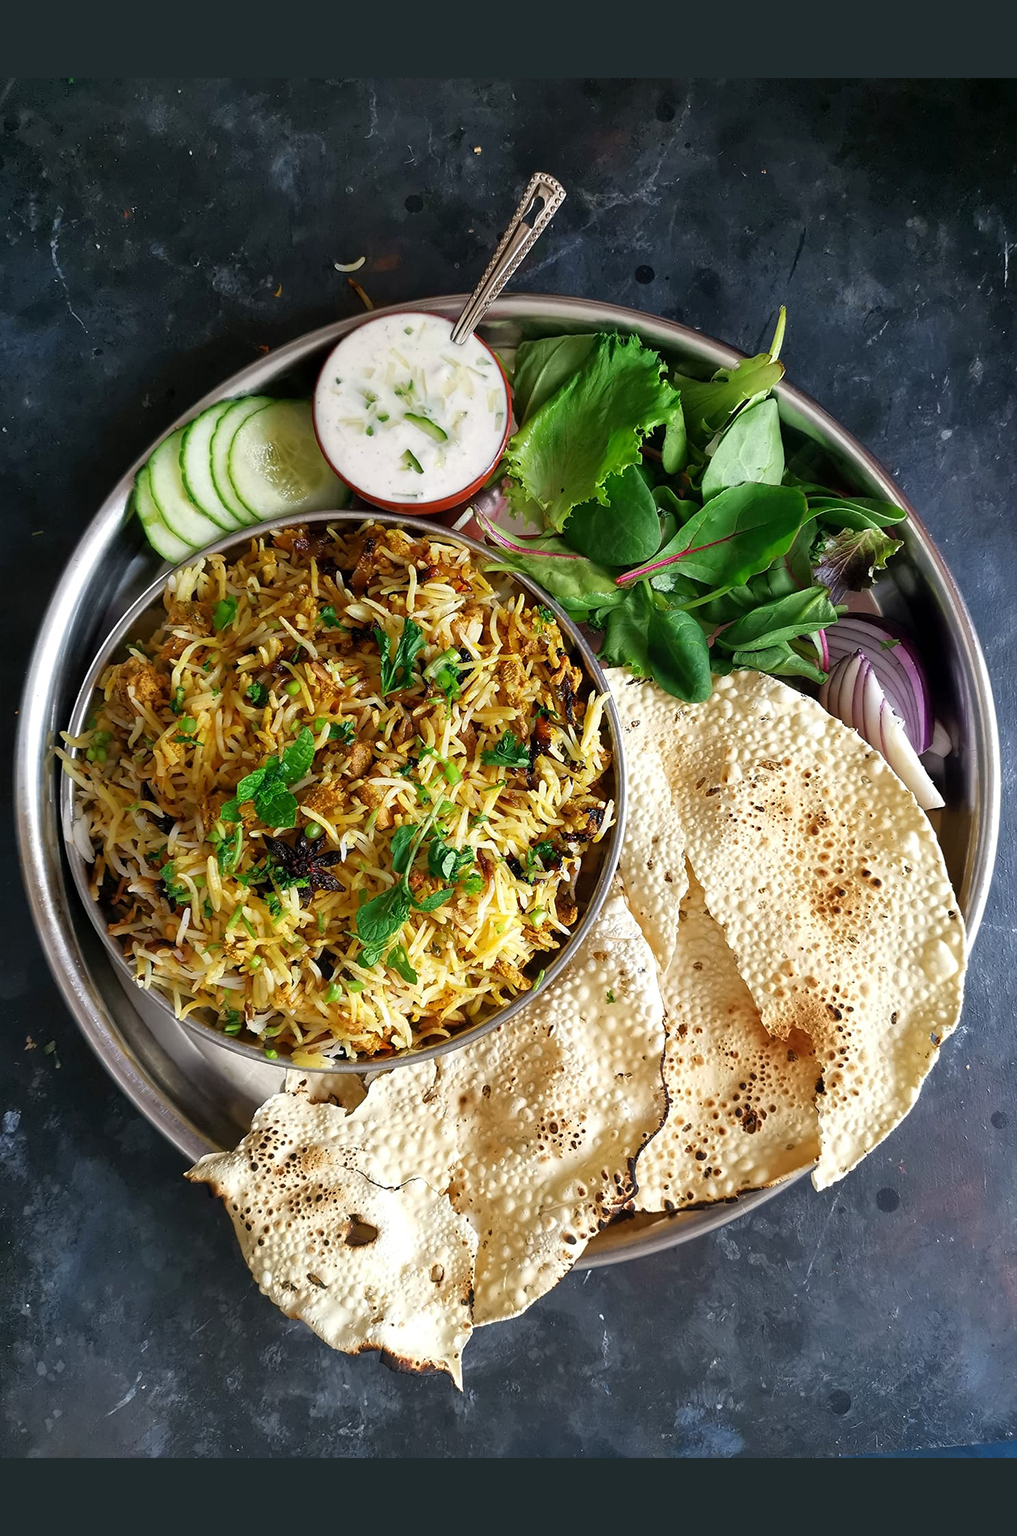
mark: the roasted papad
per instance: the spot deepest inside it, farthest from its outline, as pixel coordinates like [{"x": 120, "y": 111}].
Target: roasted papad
[
  {"x": 346, "y": 1223},
  {"x": 550, "y": 1111},
  {"x": 741, "y": 1109},
  {"x": 830, "y": 886}
]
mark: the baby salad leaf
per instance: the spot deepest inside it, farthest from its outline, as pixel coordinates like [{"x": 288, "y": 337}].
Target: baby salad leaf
[
  {"x": 591, "y": 427},
  {"x": 847, "y": 561},
  {"x": 750, "y": 449},
  {"x": 626, "y": 639},
  {"x": 678, "y": 654},
  {"x": 787, "y": 618},
  {"x": 780, "y": 660},
  {"x": 675, "y": 451},
  {"x": 543, "y": 366},
  {"x": 624, "y": 531},
  {"x": 709, "y": 406},
  {"x": 580, "y": 585},
  {"x": 738, "y": 533},
  {"x": 855, "y": 512}
]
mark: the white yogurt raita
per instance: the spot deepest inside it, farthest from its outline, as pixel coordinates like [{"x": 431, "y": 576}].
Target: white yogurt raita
[{"x": 408, "y": 418}]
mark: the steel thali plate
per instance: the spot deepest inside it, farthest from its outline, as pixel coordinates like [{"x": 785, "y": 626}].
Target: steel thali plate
[{"x": 201, "y": 1097}]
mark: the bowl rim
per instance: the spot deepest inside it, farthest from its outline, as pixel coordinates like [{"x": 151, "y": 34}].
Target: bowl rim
[
  {"x": 423, "y": 508},
  {"x": 610, "y": 847}
]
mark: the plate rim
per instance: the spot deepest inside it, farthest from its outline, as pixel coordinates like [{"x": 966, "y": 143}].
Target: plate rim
[{"x": 85, "y": 1000}]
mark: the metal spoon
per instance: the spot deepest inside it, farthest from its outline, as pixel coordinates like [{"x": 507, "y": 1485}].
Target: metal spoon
[{"x": 541, "y": 201}]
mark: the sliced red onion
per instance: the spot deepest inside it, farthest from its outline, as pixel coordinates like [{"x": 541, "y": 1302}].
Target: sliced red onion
[
  {"x": 895, "y": 661},
  {"x": 852, "y": 694},
  {"x": 941, "y": 744}
]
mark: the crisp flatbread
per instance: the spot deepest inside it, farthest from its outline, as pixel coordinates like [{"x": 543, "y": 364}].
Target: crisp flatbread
[
  {"x": 550, "y": 1111},
  {"x": 346, "y": 1223},
  {"x": 830, "y": 886},
  {"x": 742, "y": 1111},
  {"x": 652, "y": 865}
]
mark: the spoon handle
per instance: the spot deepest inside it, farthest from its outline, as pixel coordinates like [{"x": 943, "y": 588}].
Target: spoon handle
[{"x": 541, "y": 201}]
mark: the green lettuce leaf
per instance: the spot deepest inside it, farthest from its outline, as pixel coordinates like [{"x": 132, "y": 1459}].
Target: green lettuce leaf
[{"x": 591, "y": 427}]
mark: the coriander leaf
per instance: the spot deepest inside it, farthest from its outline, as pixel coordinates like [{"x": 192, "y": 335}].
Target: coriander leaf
[
  {"x": 342, "y": 730},
  {"x": 397, "y": 670},
  {"x": 787, "y": 618},
  {"x": 855, "y": 512},
  {"x": 298, "y": 757},
  {"x": 591, "y": 428},
  {"x": 750, "y": 449},
  {"x": 224, "y": 612},
  {"x": 624, "y": 531},
  {"x": 847, "y": 561},
  {"x": 543, "y": 366},
  {"x": 257, "y": 695},
  {"x": 179, "y": 697},
  {"x": 675, "y": 451},
  {"x": 382, "y": 917},
  {"x": 509, "y": 752},
  {"x": 447, "y": 863},
  {"x": 402, "y": 839},
  {"x": 436, "y": 899},
  {"x": 329, "y": 617},
  {"x": 443, "y": 671},
  {"x": 678, "y": 654},
  {"x": 399, "y": 960},
  {"x": 738, "y": 533}
]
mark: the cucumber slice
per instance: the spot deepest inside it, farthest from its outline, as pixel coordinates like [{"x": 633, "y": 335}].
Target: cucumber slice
[
  {"x": 195, "y": 466},
  {"x": 176, "y": 508},
  {"x": 276, "y": 466},
  {"x": 428, "y": 427},
  {"x": 222, "y": 440},
  {"x": 158, "y": 535}
]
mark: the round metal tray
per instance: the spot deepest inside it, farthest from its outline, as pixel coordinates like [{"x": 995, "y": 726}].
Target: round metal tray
[{"x": 201, "y": 1097}]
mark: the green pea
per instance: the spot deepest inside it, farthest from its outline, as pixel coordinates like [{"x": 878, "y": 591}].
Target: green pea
[
  {"x": 292, "y": 687},
  {"x": 313, "y": 830},
  {"x": 320, "y": 724}
]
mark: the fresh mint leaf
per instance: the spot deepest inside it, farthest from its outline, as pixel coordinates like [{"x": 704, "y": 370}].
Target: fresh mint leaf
[
  {"x": 379, "y": 919},
  {"x": 230, "y": 811},
  {"x": 750, "y": 450},
  {"x": 276, "y": 807},
  {"x": 329, "y": 617},
  {"x": 436, "y": 899},
  {"x": 257, "y": 695},
  {"x": 447, "y": 863},
  {"x": 509, "y": 752},
  {"x": 342, "y": 730},
  {"x": 249, "y": 785},
  {"x": 298, "y": 757},
  {"x": 592, "y": 427},
  {"x": 399, "y": 961},
  {"x": 402, "y": 839}
]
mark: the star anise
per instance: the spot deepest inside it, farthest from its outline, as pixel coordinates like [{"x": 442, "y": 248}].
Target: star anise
[{"x": 303, "y": 861}]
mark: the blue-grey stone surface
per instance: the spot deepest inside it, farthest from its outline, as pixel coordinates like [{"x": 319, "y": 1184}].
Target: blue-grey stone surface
[{"x": 156, "y": 234}]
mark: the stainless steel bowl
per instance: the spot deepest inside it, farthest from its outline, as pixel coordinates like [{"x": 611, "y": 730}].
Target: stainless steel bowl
[
  {"x": 142, "y": 618},
  {"x": 201, "y": 1097}
]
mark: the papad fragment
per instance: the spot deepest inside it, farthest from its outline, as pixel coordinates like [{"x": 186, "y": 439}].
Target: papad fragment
[
  {"x": 346, "y": 1223},
  {"x": 742, "y": 1111},
  {"x": 550, "y": 1111},
  {"x": 830, "y": 885},
  {"x": 652, "y": 865}
]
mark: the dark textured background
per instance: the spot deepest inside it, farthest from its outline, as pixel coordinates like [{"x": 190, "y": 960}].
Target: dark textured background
[{"x": 147, "y": 228}]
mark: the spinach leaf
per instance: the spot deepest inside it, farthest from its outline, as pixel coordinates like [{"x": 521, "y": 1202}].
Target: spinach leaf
[
  {"x": 786, "y": 618},
  {"x": 397, "y": 670},
  {"x": 674, "y": 454},
  {"x": 543, "y": 366},
  {"x": 591, "y": 427},
  {"x": 678, "y": 654},
  {"x": 737, "y": 534},
  {"x": 847, "y": 561},
  {"x": 624, "y": 531},
  {"x": 626, "y": 641},
  {"x": 855, "y": 512},
  {"x": 749, "y": 450}
]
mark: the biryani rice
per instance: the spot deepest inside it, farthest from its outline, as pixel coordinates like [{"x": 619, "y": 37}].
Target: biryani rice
[{"x": 242, "y": 664}]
